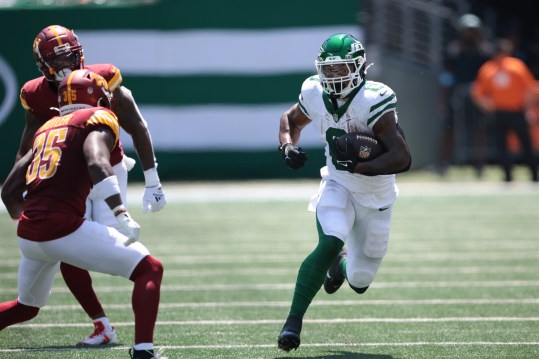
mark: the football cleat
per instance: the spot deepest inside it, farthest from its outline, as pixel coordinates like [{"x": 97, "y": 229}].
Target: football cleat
[
  {"x": 100, "y": 336},
  {"x": 335, "y": 278},
  {"x": 289, "y": 336},
  {"x": 145, "y": 354}
]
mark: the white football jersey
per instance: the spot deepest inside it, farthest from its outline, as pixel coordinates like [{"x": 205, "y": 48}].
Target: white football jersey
[{"x": 359, "y": 112}]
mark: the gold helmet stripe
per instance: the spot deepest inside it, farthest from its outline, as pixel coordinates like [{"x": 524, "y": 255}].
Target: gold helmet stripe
[
  {"x": 56, "y": 34},
  {"x": 68, "y": 92}
]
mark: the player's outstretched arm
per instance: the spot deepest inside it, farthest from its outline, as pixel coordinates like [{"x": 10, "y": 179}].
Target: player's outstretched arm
[{"x": 133, "y": 123}]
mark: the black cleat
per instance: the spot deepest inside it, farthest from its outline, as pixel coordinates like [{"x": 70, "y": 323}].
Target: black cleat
[
  {"x": 145, "y": 354},
  {"x": 289, "y": 336},
  {"x": 334, "y": 278}
]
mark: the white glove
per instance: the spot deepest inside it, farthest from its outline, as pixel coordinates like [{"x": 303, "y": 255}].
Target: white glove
[
  {"x": 154, "y": 196},
  {"x": 154, "y": 199},
  {"x": 127, "y": 225}
]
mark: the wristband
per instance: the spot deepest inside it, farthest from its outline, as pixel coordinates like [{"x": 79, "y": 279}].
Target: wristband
[
  {"x": 151, "y": 177},
  {"x": 118, "y": 210},
  {"x": 106, "y": 188}
]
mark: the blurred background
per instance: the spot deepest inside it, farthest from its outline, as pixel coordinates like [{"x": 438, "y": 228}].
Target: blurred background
[{"x": 213, "y": 77}]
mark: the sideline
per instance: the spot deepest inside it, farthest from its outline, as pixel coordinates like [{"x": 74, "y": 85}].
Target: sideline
[
  {"x": 282, "y": 190},
  {"x": 279, "y": 190}
]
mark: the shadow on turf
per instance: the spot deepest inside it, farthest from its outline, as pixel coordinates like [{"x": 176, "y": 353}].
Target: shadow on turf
[{"x": 342, "y": 354}]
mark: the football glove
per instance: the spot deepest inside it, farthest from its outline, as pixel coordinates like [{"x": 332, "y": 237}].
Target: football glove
[
  {"x": 293, "y": 156},
  {"x": 346, "y": 157},
  {"x": 127, "y": 225},
  {"x": 154, "y": 196},
  {"x": 153, "y": 199}
]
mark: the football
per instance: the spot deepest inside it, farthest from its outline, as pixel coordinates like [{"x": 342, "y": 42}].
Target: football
[{"x": 364, "y": 145}]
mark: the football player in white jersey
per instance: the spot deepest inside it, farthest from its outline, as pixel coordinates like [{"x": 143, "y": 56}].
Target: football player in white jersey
[{"x": 355, "y": 200}]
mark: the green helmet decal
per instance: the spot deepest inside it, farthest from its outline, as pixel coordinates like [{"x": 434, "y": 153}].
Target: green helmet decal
[{"x": 341, "y": 64}]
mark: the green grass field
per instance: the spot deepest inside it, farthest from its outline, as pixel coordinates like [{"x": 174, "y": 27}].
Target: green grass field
[{"x": 460, "y": 280}]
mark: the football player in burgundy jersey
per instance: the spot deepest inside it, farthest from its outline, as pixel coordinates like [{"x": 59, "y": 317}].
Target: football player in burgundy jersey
[
  {"x": 57, "y": 52},
  {"x": 69, "y": 154}
]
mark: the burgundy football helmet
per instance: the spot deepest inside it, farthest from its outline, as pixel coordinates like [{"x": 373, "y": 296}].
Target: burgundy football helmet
[
  {"x": 83, "y": 89},
  {"x": 57, "y": 52}
]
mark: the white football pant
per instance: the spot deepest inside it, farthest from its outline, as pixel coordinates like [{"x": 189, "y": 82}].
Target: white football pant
[{"x": 365, "y": 231}]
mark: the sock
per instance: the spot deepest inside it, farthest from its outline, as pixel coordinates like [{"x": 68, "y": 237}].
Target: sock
[
  {"x": 312, "y": 272},
  {"x": 143, "y": 346},
  {"x": 343, "y": 268},
  {"x": 145, "y": 299},
  {"x": 79, "y": 283},
  {"x": 14, "y": 312}
]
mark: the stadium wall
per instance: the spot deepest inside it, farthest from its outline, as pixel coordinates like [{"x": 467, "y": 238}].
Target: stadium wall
[{"x": 210, "y": 77}]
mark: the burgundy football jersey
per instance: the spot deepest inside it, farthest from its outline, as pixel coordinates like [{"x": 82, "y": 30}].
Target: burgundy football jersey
[
  {"x": 57, "y": 179},
  {"x": 39, "y": 96}
]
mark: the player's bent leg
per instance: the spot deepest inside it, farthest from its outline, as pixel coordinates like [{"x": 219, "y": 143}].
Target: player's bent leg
[
  {"x": 336, "y": 273},
  {"x": 14, "y": 312},
  {"x": 335, "y": 217},
  {"x": 310, "y": 279},
  {"x": 79, "y": 283},
  {"x": 367, "y": 248},
  {"x": 147, "y": 277},
  {"x": 312, "y": 272}
]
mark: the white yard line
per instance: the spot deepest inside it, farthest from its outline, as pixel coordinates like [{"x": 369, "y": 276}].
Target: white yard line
[
  {"x": 248, "y": 271},
  {"x": 306, "y": 321},
  {"x": 315, "y": 303},
  {"x": 290, "y": 286},
  {"x": 303, "y": 345}
]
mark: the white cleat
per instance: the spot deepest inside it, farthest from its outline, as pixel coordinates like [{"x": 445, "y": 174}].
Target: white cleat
[{"x": 100, "y": 336}]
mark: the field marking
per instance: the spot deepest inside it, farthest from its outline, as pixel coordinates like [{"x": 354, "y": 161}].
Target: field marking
[
  {"x": 247, "y": 271},
  {"x": 315, "y": 303},
  {"x": 279, "y": 190},
  {"x": 263, "y": 346},
  {"x": 259, "y": 259},
  {"x": 279, "y": 321},
  {"x": 290, "y": 286}
]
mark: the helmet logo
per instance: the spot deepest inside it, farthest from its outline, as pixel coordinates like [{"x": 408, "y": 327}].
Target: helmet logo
[
  {"x": 100, "y": 81},
  {"x": 356, "y": 46}
]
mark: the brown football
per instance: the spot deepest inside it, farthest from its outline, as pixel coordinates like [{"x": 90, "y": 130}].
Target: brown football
[{"x": 365, "y": 145}]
